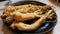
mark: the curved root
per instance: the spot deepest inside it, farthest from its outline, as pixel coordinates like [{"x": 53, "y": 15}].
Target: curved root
[{"x": 29, "y": 27}]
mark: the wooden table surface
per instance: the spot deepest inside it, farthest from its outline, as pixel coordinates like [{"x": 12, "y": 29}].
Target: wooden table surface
[{"x": 56, "y": 30}]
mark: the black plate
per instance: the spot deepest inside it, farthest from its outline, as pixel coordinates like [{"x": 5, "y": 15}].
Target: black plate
[{"x": 43, "y": 28}]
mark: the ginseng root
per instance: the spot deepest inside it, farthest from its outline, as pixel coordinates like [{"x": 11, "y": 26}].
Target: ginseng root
[{"x": 29, "y": 27}]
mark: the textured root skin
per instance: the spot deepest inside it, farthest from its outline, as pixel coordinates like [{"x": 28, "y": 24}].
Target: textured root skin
[
  {"x": 25, "y": 27},
  {"x": 23, "y": 17},
  {"x": 22, "y": 26}
]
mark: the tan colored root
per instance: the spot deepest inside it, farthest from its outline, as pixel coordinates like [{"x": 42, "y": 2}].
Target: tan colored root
[
  {"x": 50, "y": 16},
  {"x": 18, "y": 16},
  {"x": 26, "y": 12},
  {"x": 29, "y": 27},
  {"x": 23, "y": 17}
]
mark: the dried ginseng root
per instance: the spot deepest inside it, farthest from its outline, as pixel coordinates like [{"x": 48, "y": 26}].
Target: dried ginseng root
[{"x": 29, "y": 27}]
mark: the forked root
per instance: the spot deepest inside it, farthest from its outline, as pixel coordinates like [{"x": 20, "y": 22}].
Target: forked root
[{"x": 29, "y": 27}]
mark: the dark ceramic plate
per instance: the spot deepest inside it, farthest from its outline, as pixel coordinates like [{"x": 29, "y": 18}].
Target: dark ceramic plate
[{"x": 47, "y": 26}]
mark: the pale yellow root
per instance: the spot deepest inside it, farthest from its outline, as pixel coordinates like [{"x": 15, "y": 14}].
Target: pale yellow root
[
  {"x": 29, "y": 27},
  {"x": 18, "y": 16}
]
